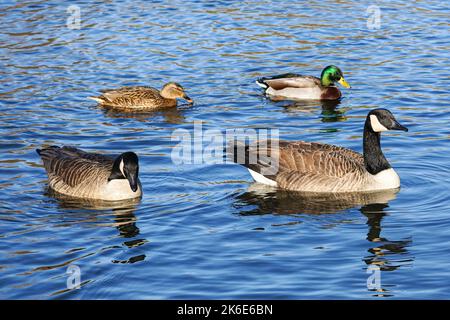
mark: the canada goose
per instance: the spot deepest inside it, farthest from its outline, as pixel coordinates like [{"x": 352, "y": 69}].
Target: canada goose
[
  {"x": 298, "y": 87},
  {"x": 77, "y": 173},
  {"x": 141, "y": 97},
  {"x": 317, "y": 167}
]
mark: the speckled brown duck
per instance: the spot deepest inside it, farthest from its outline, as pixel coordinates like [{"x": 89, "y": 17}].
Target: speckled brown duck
[{"x": 142, "y": 97}]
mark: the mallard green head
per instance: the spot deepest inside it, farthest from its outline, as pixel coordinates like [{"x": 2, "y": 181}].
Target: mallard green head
[{"x": 332, "y": 74}]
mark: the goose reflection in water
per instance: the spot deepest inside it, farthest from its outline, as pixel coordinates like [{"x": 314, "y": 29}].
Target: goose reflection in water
[
  {"x": 384, "y": 254},
  {"x": 387, "y": 255},
  {"x": 101, "y": 212},
  {"x": 279, "y": 201}
]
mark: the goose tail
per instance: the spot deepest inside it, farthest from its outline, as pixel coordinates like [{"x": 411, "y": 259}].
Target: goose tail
[
  {"x": 260, "y": 82},
  {"x": 40, "y": 151}
]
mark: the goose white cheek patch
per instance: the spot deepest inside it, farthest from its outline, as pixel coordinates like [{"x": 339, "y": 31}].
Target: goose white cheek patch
[
  {"x": 121, "y": 167},
  {"x": 376, "y": 125}
]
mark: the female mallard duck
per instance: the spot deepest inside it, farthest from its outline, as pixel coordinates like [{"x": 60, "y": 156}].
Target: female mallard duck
[
  {"x": 77, "y": 173},
  {"x": 298, "y": 87},
  {"x": 316, "y": 167},
  {"x": 142, "y": 97}
]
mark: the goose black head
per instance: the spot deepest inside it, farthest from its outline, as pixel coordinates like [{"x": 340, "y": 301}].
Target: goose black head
[
  {"x": 126, "y": 166},
  {"x": 383, "y": 120}
]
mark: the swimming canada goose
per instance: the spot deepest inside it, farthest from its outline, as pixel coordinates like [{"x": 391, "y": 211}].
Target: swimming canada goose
[
  {"x": 298, "y": 87},
  {"x": 77, "y": 173},
  {"x": 142, "y": 98},
  {"x": 316, "y": 167}
]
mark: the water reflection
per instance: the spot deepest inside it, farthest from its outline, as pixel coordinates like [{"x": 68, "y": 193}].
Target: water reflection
[
  {"x": 101, "y": 212},
  {"x": 170, "y": 116},
  {"x": 384, "y": 254},
  {"x": 275, "y": 201},
  {"x": 329, "y": 109}
]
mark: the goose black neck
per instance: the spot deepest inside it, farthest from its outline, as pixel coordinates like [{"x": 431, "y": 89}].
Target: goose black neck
[
  {"x": 116, "y": 173},
  {"x": 374, "y": 159}
]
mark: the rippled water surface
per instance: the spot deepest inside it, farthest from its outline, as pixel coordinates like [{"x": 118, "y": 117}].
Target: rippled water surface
[{"x": 204, "y": 230}]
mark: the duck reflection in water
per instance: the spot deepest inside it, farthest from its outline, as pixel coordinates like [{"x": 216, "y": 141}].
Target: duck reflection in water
[
  {"x": 101, "y": 212},
  {"x": 329, "y": 109},
  {"x": 384, "y": 254},
  {"x": 170, "y": 116}
]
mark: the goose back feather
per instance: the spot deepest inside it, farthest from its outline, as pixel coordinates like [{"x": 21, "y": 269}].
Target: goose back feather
[{"x": 309, "y": 166}]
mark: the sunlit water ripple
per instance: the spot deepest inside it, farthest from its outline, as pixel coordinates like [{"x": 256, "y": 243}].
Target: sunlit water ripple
[{"x": 205, "y": 231}]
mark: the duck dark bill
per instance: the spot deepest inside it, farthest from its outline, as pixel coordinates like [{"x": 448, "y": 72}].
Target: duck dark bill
[{"x": 188, "y": 99}]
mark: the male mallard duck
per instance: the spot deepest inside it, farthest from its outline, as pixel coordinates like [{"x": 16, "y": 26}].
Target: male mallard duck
[
  {"x": 81, "y": 174},
  {"x": 142, "y": 97},
  {"x": 298, "y": 87},
  {"x": 316, "y": 167}
]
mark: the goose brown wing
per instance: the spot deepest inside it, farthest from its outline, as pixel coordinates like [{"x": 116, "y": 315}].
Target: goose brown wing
[
  {"x": 301, "y": 157},
  {"x": 75, "y": 152},
  {"x": 318, "y": 158},
  {"x": 74, "y": 166}
]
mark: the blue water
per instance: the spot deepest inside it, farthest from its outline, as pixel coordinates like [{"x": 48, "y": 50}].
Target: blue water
[{"x": 205, "y": 230}]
